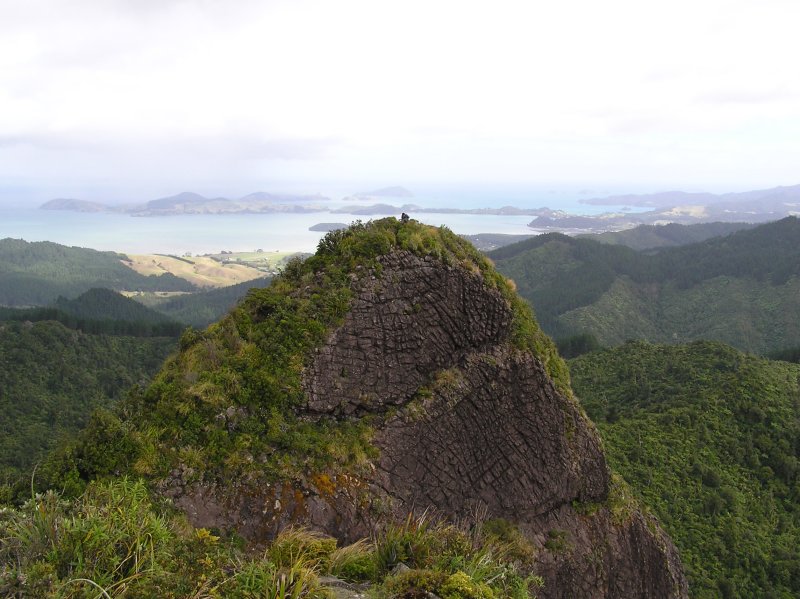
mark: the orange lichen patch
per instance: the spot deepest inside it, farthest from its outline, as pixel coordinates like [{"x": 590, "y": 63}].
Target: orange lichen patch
[
  {"x": 299, "y": 507},
  {"x": 324, "y": 484}
]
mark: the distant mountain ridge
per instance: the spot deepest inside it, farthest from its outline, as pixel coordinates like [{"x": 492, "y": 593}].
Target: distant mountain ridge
[
  {"x": 772, "y": 197},
  {"x": 756, "y": 206},
  {"x": 742, "y": 289},
  {"x": 186, "y": 198},
  {"x": 648, "y": 237},
  {"x": 74, "y": 205}
]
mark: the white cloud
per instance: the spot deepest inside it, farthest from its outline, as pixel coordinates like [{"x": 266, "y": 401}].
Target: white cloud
[{"x": 522, "y": 90}]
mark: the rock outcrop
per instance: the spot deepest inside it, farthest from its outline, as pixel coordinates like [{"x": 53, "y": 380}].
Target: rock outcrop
[{"x": 464, "y": 416}]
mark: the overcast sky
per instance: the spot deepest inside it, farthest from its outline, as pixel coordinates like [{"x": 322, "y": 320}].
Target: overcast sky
[{"x": 119, "y": 99}]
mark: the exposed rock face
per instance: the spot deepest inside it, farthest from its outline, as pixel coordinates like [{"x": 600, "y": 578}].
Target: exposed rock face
[
  {"x": 419, "y": 317},
  {"x": 605, "y": 556},
  {"x": 466, "y": 419},
  {"x": 494, "y": 431}
]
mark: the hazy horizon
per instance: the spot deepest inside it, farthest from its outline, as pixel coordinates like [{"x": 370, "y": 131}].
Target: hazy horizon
[{"x": 568, "y": 197}]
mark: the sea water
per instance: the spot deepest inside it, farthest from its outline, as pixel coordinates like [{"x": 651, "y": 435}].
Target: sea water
[{"x": 201, "y": 234}]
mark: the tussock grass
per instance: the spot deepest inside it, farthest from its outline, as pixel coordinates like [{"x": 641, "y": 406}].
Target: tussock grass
[{"x": 115, "y": 542}]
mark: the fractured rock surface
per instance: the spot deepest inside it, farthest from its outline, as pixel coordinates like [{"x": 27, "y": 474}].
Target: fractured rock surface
[
  {"x": 497, "y": 432},
  {"x": 420, "y": 316}
]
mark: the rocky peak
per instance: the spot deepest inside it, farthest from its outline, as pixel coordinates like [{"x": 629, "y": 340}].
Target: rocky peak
[{"x": 406, "y": 335}]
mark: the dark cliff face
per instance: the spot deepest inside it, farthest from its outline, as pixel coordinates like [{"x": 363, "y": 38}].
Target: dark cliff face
[
  {"x": 418, "y": 318},
  {"x": 464, "y": 419}
]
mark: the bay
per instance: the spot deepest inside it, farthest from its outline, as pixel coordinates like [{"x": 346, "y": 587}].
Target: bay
[{"x": 201, "y": 234}]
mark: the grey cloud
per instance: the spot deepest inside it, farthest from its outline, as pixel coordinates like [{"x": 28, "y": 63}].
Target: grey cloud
[
  {"x": 54, "y": 141},
  {"x": 254, "y": 147},
  {"x": 639, "y": 125},
  {"x": 748, "y": 96},
  {"x": 621, "y": 122},
  {"x": 242, "y": 147},
  {"x": 89, "y": 14}
]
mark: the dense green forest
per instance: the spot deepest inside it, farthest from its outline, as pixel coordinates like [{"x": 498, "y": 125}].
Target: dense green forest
[
  {"x": 105, "y": 304},
  {"x": 52, "y": 377},
  {"x": 100, "y": 311},
  {"x": 742, "y": 289},
  {"x": 201, "y": 308},
  {"x": 647, "y": 237},
  {"x": 790, "y": 354},
  {"x": 709, "y": 438},
  {"x": 36, "y": 274}
]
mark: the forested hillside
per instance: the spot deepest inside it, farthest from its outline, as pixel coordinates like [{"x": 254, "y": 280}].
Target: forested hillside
[
  {"x": 742, "y": 289},
  {"x": 51, "y": 378},
  {"x": 647, "y": 237},
  {"x": 201, "y": 308},
  {"x": 105, "y": 304},
  {"x": 36, "y": 274},
  {"x": 709, "y": 439},
  {"x": 100, "y": 311}
]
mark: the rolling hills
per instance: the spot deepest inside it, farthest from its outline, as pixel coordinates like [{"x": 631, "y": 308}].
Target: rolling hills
[
  {"x": 742, "y": 289},
  {"x": 105, "y": 304},
  {"x": 36, "y": 274},
  {"x": 100, "y": 311},
  {"x": 201, "y": 308},
  {"x": 201, "y": 271},
  {"x": 648, "y": 237}
]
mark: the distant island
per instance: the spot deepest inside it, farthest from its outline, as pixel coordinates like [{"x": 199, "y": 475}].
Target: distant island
[
  {"x": 193, "y": 203},
  {"x": 74, "y": 205},
  {"x": 680, "y": 207},
  {"x": 387, "y": 192},
  {"x": 668, "y": 207},
  {"x": 395, "y": 192},
  {"x": 327, "y": 227}
]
